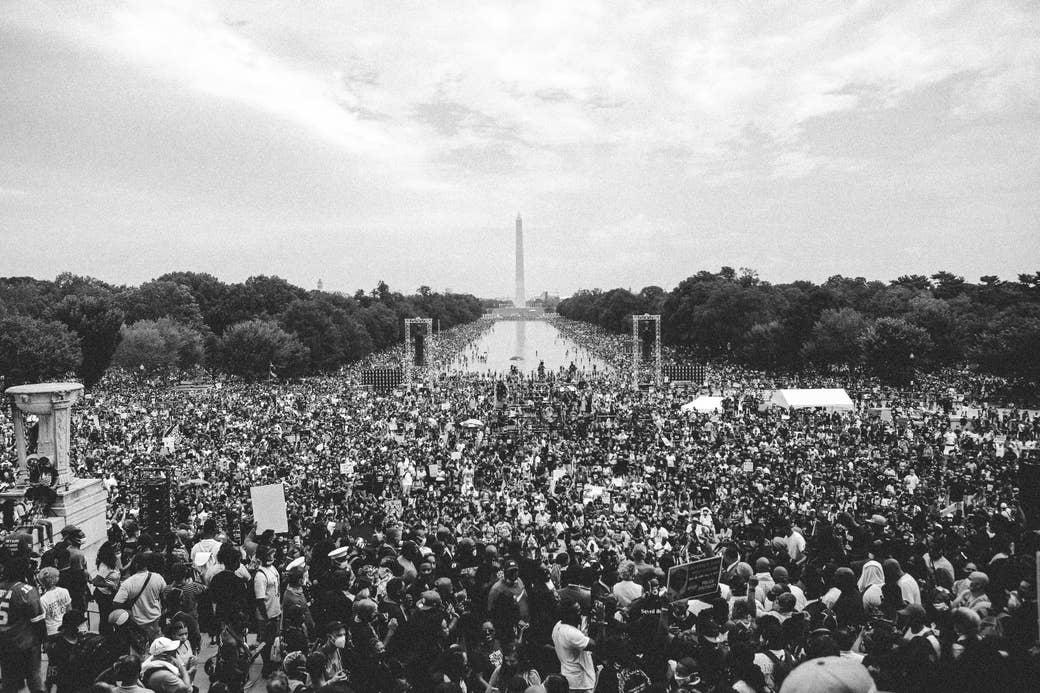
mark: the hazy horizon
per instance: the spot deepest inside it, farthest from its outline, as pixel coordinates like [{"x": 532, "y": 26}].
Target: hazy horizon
[{"x": 356, "y": 142}]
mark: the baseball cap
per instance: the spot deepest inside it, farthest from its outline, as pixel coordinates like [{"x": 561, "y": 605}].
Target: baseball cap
[
  {"x": 161, "y": 644},
  {"x": 510, "y": 564},
  {"x": 72, "y": 531},
  {"x": 829, "y": 675}
]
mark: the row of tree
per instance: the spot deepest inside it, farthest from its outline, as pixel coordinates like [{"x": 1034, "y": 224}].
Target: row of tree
[
  {"x": 185, "y": 319},
  {"x": 890, "y": 329}
]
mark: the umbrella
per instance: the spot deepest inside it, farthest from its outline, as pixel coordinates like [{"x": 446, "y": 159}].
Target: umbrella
[{"x": 472, "y": 423}]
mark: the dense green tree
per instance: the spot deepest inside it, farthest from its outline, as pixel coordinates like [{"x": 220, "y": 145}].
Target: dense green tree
[
  {"x": 162, "y": 299},
  {"x": 1009, "y": 345},
  {"x": 159, "y": 345},
  {"x": 207, "y": 290},
  {"x": 836, "y": 338},
  {"x": 26, "y": 296},
  {"x": 893, "y": 348},
  {"x": 947, "y": 285},
  {"x": 33, "y": 350},
  {"x": 257, "y": 297},
  {"x": 96, "y": 319},
  {"x": 251, "y": 349},
  {"x": 616, "y": 308},
  {"x": 763, "y": 345}
]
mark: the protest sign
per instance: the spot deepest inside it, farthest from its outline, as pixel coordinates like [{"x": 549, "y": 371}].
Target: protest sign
[
  {"x": 694, "y": 580},
  {"x": 269, "y": 507}
]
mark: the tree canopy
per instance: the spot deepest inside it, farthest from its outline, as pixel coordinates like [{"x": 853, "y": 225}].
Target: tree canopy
[
  {"x": 845, "y": 322},
  {"x": 182, "y": 319}
]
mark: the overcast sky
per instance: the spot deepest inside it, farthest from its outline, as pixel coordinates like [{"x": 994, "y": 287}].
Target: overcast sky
[{"x": 359, "y": 141}]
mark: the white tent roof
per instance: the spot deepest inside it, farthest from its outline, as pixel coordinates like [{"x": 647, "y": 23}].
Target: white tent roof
[
  {"x": 832, "y": 398},
  {"x": 703, "y": 404}
]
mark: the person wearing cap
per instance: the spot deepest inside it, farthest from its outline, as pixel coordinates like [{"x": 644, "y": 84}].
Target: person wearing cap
[
  {"x": 163, "y": 671},
  {"x": 511, "y": 584},
  {"x": 55, "y": 601},
  {"x": 428, "y": 629},
  {"x": 974, "y": 595}
]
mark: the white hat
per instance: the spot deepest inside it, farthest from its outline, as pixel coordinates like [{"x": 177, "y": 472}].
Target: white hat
[
  {"x": 161, "y": 644},
  {"x": 341, "y": 552},
  {"x": 202, "y": 558},
  {"x": 829, "y": 675},
  {"x": 296, "y": 563}
]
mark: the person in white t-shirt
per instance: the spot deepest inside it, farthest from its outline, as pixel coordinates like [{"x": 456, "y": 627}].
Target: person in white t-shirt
[
  {"x": 574, "y": 650},
  {"x": 626, "y": 590},
  {"x": 54, "y": 600}
]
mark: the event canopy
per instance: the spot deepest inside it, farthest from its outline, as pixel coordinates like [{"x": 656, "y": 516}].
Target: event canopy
[
  {"x": 703, "y": 404},
  {"x": 834, "y": 399}
]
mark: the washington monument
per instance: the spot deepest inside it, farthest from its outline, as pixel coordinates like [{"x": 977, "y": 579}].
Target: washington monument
[{"x": 520, "y": 300}]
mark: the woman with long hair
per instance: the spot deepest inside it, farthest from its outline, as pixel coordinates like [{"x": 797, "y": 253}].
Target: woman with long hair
[{"x": 106, "y": 582}]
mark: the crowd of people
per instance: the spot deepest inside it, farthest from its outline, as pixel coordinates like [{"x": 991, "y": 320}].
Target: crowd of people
[{"x": 518, "y": 532}]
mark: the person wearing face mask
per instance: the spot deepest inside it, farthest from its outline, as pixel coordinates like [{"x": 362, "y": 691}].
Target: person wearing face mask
[{"x": 332, "y": 648}]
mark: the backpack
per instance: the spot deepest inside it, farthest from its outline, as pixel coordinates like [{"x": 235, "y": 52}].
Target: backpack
[{"x": 782, "y": 666}]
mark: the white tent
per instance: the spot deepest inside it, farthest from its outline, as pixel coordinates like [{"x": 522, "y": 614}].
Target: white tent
[
  {"x": 829, "y": 398},
  {"x": 703, "y": 404}
]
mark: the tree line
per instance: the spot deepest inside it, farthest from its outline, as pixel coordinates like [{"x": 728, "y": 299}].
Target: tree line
[
  {"x": 181, "y": 320},
  {"x": 889, "y": 329}
]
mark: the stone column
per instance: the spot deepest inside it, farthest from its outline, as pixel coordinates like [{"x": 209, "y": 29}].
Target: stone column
[
  {"x": 19, "y": 436},
  {"x": 52, "y": 404}
]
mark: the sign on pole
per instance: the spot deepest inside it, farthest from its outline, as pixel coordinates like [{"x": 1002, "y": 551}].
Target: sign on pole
[
  {"x": 269, "y": 508},
  {"x": 694, "y": 580}
]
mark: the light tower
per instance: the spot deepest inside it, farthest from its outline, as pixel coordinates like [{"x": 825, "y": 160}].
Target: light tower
[{"x": 520, "y": 299}]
